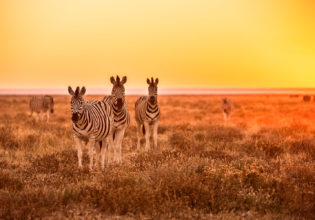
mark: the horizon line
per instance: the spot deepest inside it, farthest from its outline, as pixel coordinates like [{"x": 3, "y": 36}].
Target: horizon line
[{"x": 164, "y": 91}]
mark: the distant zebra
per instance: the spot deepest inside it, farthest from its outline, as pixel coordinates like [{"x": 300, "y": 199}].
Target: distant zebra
[
  {"x": 226, "y": 105},
  {"x": 40, "y": 105},
  {"x": 91, "y": 122},
  {"x": 147, "y": 114},
  {"x": 121, "y": 115}
]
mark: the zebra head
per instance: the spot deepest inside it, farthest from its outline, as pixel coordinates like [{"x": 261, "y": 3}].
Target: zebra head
[
  {"x": 118, "y": 91},
  {"x": 77, "y": 102},
  {"x": 152, "y": 90},
  {"x": 225, "y": 100}
]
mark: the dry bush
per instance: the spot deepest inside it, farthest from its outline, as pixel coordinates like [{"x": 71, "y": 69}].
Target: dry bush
[
  {"x": 223, "y": 134},
  {"x": 307, "y": 146},
  {"x": 7, "y": 182},
  {"x": 8, "y": 140}
]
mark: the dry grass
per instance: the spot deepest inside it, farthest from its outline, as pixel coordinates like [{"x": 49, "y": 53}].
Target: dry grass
[{"x": 259, "y": 165}]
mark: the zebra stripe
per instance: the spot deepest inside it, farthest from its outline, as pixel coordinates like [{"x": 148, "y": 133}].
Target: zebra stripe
[
  {"x": 121, "y": 116},
  {"x": 145, "y": 111},
  {"x": 94, "y": 121}
]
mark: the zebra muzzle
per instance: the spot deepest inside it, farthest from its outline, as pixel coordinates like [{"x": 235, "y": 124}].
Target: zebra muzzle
[
  {"x": 119, "y": 103},
  {"x": 75, "y": 117}
]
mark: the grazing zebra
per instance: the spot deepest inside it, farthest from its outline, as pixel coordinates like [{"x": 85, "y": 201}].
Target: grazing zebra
[
  {"x": 121, "y": 115},
  {"x": 40, "y": 105},
  {"x": 227, "y": 106},
  {"x": 147, "y": 114},
  {"x": 91, "y": 122}
]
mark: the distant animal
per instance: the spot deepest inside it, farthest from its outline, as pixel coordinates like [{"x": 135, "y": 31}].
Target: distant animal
[
  {"x": 294, "y": 96},
  {"x": 306, "y": 98},
  {"x": 120, "y": 113},
  {"x": 147, "y": 114},
  {"x": 227, "y": 106},
  {"x": 91, "y": 122},
  {"x": 41, "y": 105}
]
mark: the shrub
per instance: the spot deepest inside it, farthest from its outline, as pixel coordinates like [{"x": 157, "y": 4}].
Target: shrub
[
  {"x": 7, "y": 138},
  {"x": 10, "y": 183}
]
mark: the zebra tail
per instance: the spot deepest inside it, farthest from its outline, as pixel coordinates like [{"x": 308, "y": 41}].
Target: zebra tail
[
  {"x": 143, "y": 129},
  {"x": 100, "y": 143}
]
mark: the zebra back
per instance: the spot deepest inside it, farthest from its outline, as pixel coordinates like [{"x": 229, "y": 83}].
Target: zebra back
[{"x": 41, "y": 103}]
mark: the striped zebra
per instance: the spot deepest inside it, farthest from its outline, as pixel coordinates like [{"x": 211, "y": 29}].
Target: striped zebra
[
  {"x": 121, "y": 115},
  {"x": 91, "y": 122},
  {"x": 227, "y": 106},
  {"x": 40, "y": 105},
  {"x": 147, "y": 114}
]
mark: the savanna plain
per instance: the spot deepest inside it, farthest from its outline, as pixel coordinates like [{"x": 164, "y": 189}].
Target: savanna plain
[{"x": 260, "y": 164}]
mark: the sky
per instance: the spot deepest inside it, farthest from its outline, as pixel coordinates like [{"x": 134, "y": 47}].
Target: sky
[{"x": 201, "y": 44}]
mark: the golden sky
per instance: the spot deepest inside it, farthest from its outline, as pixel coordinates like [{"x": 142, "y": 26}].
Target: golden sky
[{"x": 187, "y": 44}]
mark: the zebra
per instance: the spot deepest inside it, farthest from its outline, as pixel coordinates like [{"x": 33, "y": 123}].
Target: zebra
[
  {"x": 91, "y": 122},
  {"x": 41, "y": 104},
  {"x": 227, "y": 106},
  {"x": 147, "y": 114},
  {"x": 121, "y": 115}
]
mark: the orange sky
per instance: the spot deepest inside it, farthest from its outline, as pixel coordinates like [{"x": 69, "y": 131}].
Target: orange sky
[{"x": 187, "y": 44}]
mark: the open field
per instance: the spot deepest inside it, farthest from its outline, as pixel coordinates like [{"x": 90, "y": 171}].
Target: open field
[{"x": 261, "y": 164}]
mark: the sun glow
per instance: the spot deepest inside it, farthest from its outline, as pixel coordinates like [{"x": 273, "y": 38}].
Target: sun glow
[{"x": 187, "y": 44}]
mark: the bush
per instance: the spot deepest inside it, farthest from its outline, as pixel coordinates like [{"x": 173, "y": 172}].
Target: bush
[{"x": 7, "y": 138}]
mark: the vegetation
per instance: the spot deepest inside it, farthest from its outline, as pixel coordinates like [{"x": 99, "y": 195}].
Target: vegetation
[{"x": 261, "y": 164}]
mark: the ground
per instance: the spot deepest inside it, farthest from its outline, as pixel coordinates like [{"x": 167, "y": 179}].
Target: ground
[{"x": 260, "y": 164}]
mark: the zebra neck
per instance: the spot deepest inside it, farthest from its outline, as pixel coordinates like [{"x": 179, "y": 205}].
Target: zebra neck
[
  {"x": 82, "y": 120},
  {"x": 152, "y": 108},
  {"x": 116, "y": 109}
]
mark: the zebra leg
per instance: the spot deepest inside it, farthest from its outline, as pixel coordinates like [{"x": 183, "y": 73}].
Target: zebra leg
[
  {"x": 91, "y": 146},
  {"x": 37, "y": 117},
  {"x": 103, "y": 153},
  {"x": 79, "y": 147},
  {"x": 138, "y": 135},
  {"x": 47, "y": 114},
  {"x": 118, "y": 142},
  {"x": 147, "y": 136},
  {"x": 111, "y": 147},
  {"x": 155, "y": 133},
  {"x": 31, "y": 113},
  {"x": 41, "y": 116}
]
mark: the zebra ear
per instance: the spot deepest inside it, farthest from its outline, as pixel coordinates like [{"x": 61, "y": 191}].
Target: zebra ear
[
  {"x": 124, "y": 80},
  {"x": 148, "y": 81},
  {"x": 77, "y": 90},
  {"x": 70, "y": 90},
  {"x": 117, "y": 79},
  {"x": 156, "y": 81},
  {"x": 82, "y": 92},
  {"x": 112, "y": 80}
]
